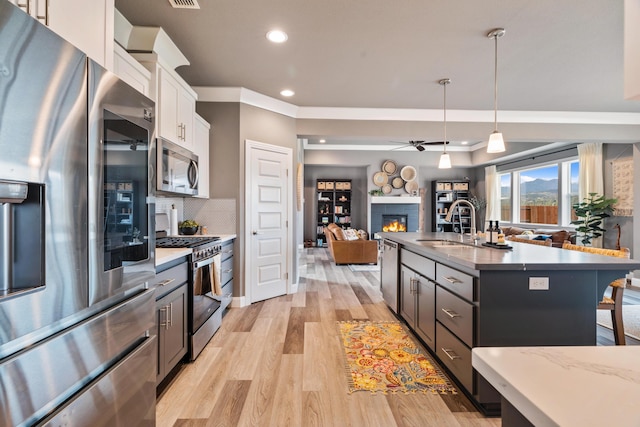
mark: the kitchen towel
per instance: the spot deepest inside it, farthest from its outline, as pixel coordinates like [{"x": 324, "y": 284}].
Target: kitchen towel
[
  {"x": 173, "y": 221},
  {"x": 215, "y": 275}
]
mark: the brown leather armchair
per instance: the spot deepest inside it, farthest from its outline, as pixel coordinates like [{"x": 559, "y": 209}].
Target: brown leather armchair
[{"x": 350, "y": 251}]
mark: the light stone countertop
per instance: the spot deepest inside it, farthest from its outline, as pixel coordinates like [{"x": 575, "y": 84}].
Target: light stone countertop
[
  {"x": 165, "y": 255},
  {"x": 566, "y": 386}
]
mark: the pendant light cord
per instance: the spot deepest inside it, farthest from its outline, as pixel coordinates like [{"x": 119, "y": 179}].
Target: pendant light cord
[
  {"x": 444, "y": 143},
  {"x": 495, "y": 86}
]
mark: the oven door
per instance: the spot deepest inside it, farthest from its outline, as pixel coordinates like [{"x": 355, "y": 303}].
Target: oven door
[
  {"x": 205, "y": 314},
  {"x": 121, "y": 230}
]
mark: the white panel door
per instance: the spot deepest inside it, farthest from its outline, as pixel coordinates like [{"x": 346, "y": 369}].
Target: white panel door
[{"x": 268, "y": 197}]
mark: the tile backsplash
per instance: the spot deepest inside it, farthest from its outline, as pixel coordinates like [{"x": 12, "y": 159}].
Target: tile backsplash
[{"x": 219, "y": 215}]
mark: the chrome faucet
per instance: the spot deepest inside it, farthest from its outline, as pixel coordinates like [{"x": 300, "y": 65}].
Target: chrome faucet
[{"x": 473, "y": 215}]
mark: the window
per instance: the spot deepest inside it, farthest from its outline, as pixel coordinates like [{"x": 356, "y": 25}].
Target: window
[{"x": 542, "y": 194}]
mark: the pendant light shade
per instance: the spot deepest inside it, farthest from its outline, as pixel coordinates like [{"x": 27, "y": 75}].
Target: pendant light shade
[
  {"x": 445, "y": 159},
  {"x": 496, "y": 142}
]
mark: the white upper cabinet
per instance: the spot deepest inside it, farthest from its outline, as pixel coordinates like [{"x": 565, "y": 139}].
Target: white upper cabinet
[
  {"x": 201, "y": 148},
  {"x": 175, "y": 100},
  {"x": 130, "y": 70},
  {"x": 88, "y": 25},
  {"x": 176, "y": 109}
]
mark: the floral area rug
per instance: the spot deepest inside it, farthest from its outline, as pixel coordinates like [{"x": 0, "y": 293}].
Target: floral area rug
[{"x": 382, "y": 357}]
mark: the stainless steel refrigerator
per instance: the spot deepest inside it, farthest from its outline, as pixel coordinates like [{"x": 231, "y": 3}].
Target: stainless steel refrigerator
[{"x": 76, "y": 315}]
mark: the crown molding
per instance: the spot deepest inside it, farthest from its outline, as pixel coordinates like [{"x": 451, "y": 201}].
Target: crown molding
[{"x": 247, "y": 96}]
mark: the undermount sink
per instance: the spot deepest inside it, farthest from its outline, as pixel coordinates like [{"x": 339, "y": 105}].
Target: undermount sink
[{"x": 444, "y": 243}]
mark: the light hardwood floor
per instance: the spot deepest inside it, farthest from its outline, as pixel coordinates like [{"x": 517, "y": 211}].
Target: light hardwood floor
[{"x": 279, "y": 363}]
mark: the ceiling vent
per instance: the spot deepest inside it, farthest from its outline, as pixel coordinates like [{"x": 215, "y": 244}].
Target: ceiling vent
[{"x": 184, "y": 4}]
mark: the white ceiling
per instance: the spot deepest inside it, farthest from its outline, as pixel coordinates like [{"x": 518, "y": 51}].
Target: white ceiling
[{"x": 563, "y": 57}]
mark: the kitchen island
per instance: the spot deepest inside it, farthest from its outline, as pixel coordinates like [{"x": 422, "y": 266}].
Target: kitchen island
[{"x": 458, "y": 296}]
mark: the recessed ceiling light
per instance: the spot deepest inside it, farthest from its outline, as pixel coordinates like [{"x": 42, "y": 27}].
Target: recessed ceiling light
[
  {"x": 277, "y": 36},
  {"x": 322, "y": 141},
  {"x": 464, "y": 142},
  {"x": 287, "y": 92}
]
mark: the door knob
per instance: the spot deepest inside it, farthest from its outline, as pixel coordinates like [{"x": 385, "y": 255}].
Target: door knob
[{"x": 255, "y": 232}]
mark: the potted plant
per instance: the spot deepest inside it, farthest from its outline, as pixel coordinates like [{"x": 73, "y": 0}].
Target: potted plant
[
  {"x": 188, "y": 227},
  {"x": 591, "y": 213}
]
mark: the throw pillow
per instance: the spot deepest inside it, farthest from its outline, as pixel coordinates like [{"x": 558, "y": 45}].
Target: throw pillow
[
  {"x": 363, "y": 235},
  {"x": 350, "y": 234}
]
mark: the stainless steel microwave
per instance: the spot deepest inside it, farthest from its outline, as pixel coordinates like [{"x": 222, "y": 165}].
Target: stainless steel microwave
[{"x": 177, "y": 169}]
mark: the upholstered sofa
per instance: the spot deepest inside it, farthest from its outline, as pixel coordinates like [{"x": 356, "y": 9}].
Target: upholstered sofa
[
  {"x": 557, "y": 236},
  {"x": 343, "y": 251}
]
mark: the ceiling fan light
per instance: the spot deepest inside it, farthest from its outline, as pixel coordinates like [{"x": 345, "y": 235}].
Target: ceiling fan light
[
  {"x": 496, "y": 143},
  {"x": 445, "y": 161}
]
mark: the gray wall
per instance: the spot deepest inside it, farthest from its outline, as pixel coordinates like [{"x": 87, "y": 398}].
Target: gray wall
[
  {"x": 364, "y": 164},
  {"x": 232, "y": 124}
]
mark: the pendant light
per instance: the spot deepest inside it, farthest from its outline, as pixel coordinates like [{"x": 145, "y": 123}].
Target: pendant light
[
  {"x": 496, "y": 142},
  {"x": 445, "y": 160}
]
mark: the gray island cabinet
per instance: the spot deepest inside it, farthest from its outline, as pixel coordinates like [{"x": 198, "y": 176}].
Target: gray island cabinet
[{"x": 457, "y": 296}]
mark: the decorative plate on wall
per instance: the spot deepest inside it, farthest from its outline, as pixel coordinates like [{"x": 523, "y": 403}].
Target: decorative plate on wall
[
  {"x": 380, "y": 178},
  {"x": 408, "y": 173},
  {"x": 397, "y": 182},
  {"x": 411, "y": 187},
  {"x": 389, "y": 167},
  {"x": 386, "y": 189}
]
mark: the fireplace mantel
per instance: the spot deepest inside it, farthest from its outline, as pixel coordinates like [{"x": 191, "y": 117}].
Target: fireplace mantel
[{"x": 395, "y": 200}]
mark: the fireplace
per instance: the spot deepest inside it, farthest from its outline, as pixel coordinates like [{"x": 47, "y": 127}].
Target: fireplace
[
  {"x": 397, "y": 213},
  {"x": 394, "y": 223}
]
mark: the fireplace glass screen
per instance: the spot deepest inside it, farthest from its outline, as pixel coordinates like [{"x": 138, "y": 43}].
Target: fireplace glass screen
[{"x": 394, "y": 223}]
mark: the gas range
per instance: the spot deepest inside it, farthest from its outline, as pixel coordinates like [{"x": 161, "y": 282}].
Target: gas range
[{"x": 203, "y": 246}]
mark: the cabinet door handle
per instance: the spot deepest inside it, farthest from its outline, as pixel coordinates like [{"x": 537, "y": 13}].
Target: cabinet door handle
[
  {"x": 170, "y": 315},
  {"x": 450, "y": 313},
  {"x": 25, "y": 6},
  {"x": 163, "y": 315},
  {"x": 452, "y": 280},
  {"x": 46, "y": 12},
  {"x": 450, "y": 354},
  {"x": 411, "y": 287},
  {"x": 166, "y": 282}
]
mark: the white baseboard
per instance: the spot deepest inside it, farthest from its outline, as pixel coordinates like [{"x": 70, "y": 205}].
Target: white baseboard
[
  {"x": 239, "y": 302},
  {"x": 294, "y": 288}
]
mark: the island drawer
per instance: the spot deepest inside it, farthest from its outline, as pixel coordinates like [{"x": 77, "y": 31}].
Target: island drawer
[
  {"x": 454, "y": 280},
  {"x": 455, "y": 355},
  {"x": 456, "y": 314},
  {"x": 419, "y": 264}
]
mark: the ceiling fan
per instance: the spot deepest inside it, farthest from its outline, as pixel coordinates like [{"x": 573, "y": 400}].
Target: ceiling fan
[{"x": 419, "y": 145}]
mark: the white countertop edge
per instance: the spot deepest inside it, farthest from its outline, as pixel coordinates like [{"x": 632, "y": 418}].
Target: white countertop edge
[
  {"x": 165, "y": 255},
  {"x": 527, "y": 408},
  {"x": 570, "y": 385}
]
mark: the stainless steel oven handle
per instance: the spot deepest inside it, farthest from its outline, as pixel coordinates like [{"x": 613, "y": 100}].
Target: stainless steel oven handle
[{"x": 203, "y": 263}]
